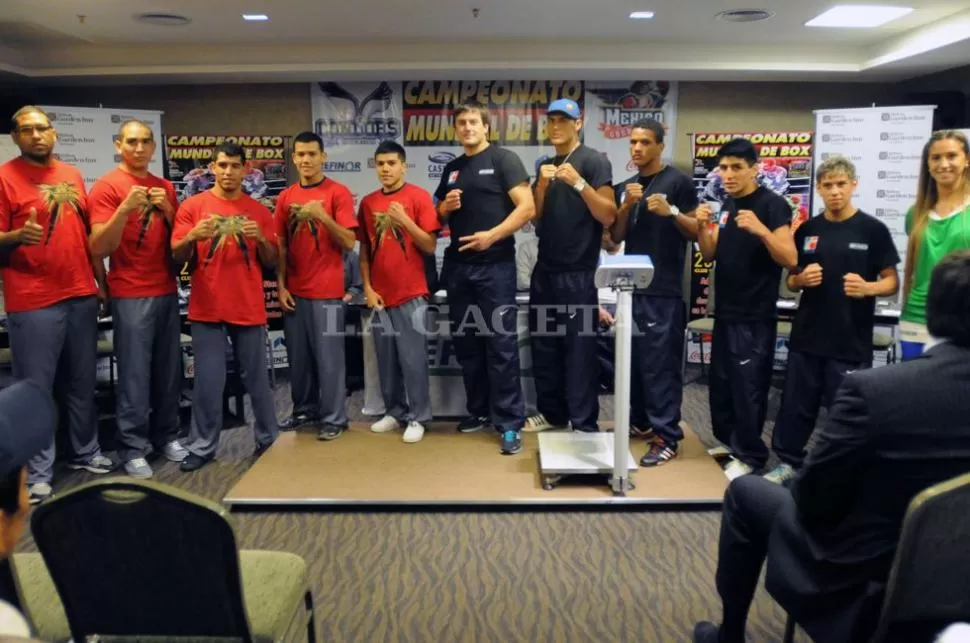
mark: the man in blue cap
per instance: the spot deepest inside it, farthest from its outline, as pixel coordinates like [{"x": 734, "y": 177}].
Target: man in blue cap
[
  {"x": 27, "y": 421},
  {"x": 574, "y": 202}
]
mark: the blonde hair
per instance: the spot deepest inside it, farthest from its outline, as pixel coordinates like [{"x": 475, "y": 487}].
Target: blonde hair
[{"x": 927, "y": 195}]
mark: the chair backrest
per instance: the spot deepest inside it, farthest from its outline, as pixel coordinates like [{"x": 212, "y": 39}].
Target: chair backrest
[
  {"x": 133, "y": 558},
  {"x": 929, "y": 585}
]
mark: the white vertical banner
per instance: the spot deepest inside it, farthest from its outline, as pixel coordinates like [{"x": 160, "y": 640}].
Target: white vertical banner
[
  {"x": 85, "y": 138},
  {"x": 613, "y": 108},
  {"x": 886, "y": 144},
  {"x": 352, "y": 118}
]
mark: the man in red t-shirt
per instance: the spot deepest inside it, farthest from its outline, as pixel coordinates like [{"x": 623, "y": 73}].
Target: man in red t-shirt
[
  {"x": 315, "y": 224},
  {"x": 397, "y": 224},
  {"x": 132, "y": 212},
  {"x": 49, "y": 287},
  {"x": 227, "y": 237}
]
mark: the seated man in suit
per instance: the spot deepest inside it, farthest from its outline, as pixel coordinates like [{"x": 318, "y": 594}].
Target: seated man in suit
[{"x": 891, "y": 433}]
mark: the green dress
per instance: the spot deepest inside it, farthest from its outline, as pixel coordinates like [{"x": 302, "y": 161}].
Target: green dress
[{"x": 941, "y": 237}]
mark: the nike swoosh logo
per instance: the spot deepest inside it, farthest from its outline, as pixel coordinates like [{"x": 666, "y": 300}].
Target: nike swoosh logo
[
  {"x": 651, "y": 324},
  {"x": 571, "y": 315},
  {"x": 744, "y": 361}
]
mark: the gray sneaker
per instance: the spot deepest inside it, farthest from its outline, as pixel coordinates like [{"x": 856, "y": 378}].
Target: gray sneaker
[
  {"x": 95, "y": 464},
  {"x": 174, "y": 451},
  {"x": 780, "y": 474},
  {"x": 138, "y": 468},
  {"x": 39, "y": 491}
]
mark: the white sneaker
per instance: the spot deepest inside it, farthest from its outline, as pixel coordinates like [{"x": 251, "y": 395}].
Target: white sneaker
[
  {"x": 39, "y": 491},
  {"x": 174, "y": 451},
  {"x": 538, "y": 423},
  {"x": 385, "y": 425},
  {"x": 414, "y": 432},
  {"x": 138, "y": 468},
  {"x": 736, "y": 469}
]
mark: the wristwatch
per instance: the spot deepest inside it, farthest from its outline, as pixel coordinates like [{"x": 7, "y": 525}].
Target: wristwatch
[
  {"x": 674, "y": 211},
  {"x": 580, "y": 185}
]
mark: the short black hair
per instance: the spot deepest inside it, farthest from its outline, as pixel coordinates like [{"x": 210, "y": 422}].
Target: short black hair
[
  {"x": 391, "y": 147},
  {"x": 10, "y": 492},
  {"x": 135, "y": 121},
  {"x": 308, "y": 137},
  {"x": 948, "y": 301},
  {"x": 740, "y": 148},
  {"x": 473, "y": 106},
  {"x": 23, "y": 111},
  {"x": 653, "y": 125},
  {"x": 230, "y": 150}
]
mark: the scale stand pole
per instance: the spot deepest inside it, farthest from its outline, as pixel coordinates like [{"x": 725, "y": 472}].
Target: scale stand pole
[{"x": 621, "y": 482}]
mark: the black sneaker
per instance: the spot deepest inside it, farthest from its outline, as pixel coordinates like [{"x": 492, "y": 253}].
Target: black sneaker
[
  {"x": 329, "y": 432},
  {"x": 660, "y": 452},
  {"x": 261, "y": 449},
  {"x": 194, "y": 462},
  {"x": 295, "y": 421},
  {"x": 511, "y": 442},
  {"x": 472, "y": 424}
]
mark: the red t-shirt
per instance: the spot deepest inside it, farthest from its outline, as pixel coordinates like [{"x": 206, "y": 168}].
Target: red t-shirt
[
  {"x": 59, "y": 267},
  {"x": 396, "y": 264},
  {"x": 142, "y": 264},
  {"x": 315, "y": 264},
  {"x": 227, "y": 276}
]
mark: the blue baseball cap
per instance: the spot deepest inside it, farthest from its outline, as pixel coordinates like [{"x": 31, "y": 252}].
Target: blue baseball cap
[
  {"x": 27, "y": 419},
  {"x": 564, "y": 106}
]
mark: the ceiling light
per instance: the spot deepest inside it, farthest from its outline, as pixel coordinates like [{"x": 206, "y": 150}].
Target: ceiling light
[
  {"x": 641, "y": 15},
  {"x": 858, "y": 16},
  {"x": 255, "y": 17}
]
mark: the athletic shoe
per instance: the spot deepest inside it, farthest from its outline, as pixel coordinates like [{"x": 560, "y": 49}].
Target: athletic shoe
[
  {"x": 194, "y": 462},
  {"x": 538, "y": 423},
  {"x": 329, "y": 432},
  {"x": 511, "y": 442},
  {"x": 706, "y": 632},
  {"x": 660, "y": 452},
  {"x": 385, "y": 425},
  {"x": 174, "y": 451},
  {"x": 296, "y": 420},
  {"x": 735, "y": 469},
  {"x": 780, "y": 474},
  {"x": 472, "y": 424},
  {"x": 138, "y": 468},
  {"x": 94, "y": 464},
  {"x": 414, "y": 432},
  {"x": 39, "y": 491}
]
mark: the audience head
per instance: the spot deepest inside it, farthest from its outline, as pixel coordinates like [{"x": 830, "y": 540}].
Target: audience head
[
  {"x": 835, "y": 181},
  {"x": 646, "y": 141},
  {"x": 472, "y": 125},
  {"x": 309, "y": 157},
  {"x": 948, "y": 301},
  {"x": 27, "y": 420},
  {"x": 390, "y": 161},
  {"x": 32, "y": 131},
  {"x": 135, "y": 144}
]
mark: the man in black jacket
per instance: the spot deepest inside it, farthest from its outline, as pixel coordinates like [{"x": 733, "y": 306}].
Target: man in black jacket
[{"x": 891, "y": 433}]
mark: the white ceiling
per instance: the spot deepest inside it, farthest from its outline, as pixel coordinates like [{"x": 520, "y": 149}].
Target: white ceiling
[{"x": 591, "y": 39}]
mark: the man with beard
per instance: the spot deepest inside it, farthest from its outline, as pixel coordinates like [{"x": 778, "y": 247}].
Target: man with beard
[
  {"x": 228, "y": 237},
  {"x": 315, "y": 225},
  {"x": 50, "y": 290},
  {"x": 574, "y": 202},
  {"x": 656, "y": 218},
  {"x": 131, "y": 219},
  {"x": 484, "y": 198},
  {"x": 751, "y": 242}
]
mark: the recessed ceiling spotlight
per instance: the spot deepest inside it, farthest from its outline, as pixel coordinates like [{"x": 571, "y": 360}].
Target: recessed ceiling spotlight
[
  {"x": 641, "y": 15},
  {"x": 162, "y": 19},
  {"x": 255, "y": 17},
  {"x": 857, "y": 16},
  {"x": 744, "y": 15}
]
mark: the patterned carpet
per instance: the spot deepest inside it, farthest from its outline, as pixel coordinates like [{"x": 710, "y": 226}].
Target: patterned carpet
[{"x": 491, "y": 577}]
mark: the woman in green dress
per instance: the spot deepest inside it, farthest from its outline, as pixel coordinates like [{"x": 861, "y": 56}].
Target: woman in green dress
[{"x": 937, "y": 224}]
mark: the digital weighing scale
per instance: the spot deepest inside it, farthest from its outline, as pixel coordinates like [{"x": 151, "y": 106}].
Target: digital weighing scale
[{"x": 578, "y": 453}]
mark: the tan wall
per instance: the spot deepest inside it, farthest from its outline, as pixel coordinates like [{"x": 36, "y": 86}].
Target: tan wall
[{"x": 285, "y": 108}]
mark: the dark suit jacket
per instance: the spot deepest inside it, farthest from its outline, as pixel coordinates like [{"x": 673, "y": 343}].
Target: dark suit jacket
[{"x": 891, "y": 432}]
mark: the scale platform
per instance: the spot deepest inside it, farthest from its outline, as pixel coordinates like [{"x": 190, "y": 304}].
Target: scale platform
[{"x": 564, "y": 454}]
